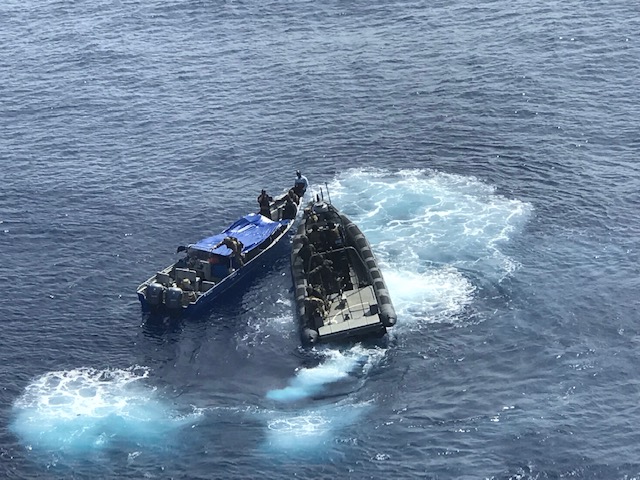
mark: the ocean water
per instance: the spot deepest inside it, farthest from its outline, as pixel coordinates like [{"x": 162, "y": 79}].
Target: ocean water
[{"x": 489, "y": 153}]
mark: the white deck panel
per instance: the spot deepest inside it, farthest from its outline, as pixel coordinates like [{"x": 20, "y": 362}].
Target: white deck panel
[{"x": 356, "y": 304}]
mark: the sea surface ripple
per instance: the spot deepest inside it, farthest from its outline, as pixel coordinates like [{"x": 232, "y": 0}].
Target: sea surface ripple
[{"x": 488, "y": 151}]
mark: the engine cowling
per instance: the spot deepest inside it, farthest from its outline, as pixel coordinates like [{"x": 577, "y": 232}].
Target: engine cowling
[
  {"x": 154, "y": 294},
  {"x": 173, "y": 298}
]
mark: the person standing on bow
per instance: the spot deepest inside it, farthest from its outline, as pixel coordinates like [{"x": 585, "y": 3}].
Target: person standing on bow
[
  {"x": 300, "y": 184},
  {"x": 264, "y": 201}
]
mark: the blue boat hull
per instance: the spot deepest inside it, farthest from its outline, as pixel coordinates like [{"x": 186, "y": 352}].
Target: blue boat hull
[
  {"x": 231, "y": 284},
  {"x": 211, "y": 274}
]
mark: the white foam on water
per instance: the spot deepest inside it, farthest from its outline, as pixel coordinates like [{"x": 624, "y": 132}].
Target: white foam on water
[
  {"x": 437, "y": 295},
  {"x": 262, "y": 330},
  {"x": 86, "y": 408},
  {"x": 309, "y": 431},
  {"x": 431, "y": 232},
  {"x": 336, "y": 366}
]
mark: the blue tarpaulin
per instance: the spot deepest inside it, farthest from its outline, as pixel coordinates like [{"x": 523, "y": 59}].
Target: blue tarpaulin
[{"x": 251, "y": 230}]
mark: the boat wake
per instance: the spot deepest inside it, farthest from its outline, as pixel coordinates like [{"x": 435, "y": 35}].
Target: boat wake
[
  {"x": 313, "y": 431},
  {"x": 336, "y": 367},
  {"x": 89, "y": 409},
  {"x": 438, "y": 239},
  {"x": 435, "y": 295},
  {"x": 310, "y": 432}
]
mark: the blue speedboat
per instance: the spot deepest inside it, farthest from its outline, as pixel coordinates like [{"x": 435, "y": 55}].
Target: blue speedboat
[{"x": 213, "y": 265}]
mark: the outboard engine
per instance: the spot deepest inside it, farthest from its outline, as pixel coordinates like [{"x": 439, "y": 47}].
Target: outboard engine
[
  {"x": 173, "y": 298},
  {"x": 154, "y": 294}
]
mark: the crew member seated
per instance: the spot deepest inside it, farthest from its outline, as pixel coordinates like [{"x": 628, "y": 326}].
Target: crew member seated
[
  {"x": 317, "y": 291},
  {"x": 188, "y": 294},
  {"x": 311, "y": 218},
  {"x": 332, "y": 236},
  {"x": 293, "y": 196},
  {"x": 315, "y": 237},
  {"x": 315, "y": 310}
]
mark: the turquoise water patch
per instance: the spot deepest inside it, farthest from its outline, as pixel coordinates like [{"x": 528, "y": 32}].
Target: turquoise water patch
[
  {"x": 310, "y": 432},
  {"x": 89, "y": 409},
  {"x": 335, "y": 366}
]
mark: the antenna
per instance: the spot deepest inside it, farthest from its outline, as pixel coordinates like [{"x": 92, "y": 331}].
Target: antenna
[{"x": 327, "y": 187}]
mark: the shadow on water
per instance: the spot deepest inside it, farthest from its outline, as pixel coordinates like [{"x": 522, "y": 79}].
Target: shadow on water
[{"x": 156, "y": 325}]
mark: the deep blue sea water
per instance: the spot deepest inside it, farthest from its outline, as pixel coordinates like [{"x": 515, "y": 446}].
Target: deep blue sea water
[{"x": 489, "y": 152}]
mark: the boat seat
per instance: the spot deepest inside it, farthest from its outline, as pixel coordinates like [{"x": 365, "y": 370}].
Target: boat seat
[
  {"x": 182, "y": 273},
  {"x": 205, "y": 268},
  {"x": 164, "y": 279},
  {"x": 206, "y": 285}
]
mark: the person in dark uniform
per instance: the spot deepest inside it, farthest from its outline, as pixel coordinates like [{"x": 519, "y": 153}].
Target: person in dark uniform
[
  {"x": 323, "y": 275},
  {"x": 264, "y": 200},
  {"x": 289, "y": 211},
  {"x": 318, "y": 292},
  {"x": 293, "y": 196},
  {"x": 315, "y": 237},
  {"x": 305, "y": 252},
  {"x": 332, "y": 236},
  {"x": 315, "y": 310}
]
